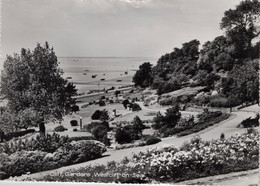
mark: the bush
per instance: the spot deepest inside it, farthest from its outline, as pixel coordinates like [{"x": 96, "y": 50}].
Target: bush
[
  {"x": 46, "y": 143},
  {"x": 96, "y": 115},
  {"x": 21, "y": 162},
  {"x": 222, "y": 136},
  {"x": 249, "y": 122},
  {"x": 136, "y": 107},
  {"x": 207, "y": 115},
  {"x": 99, "y": 132},
  {"x": 60, "y": 128},
  {"x": 122, "y": 135},
  {"x": 75, "y": 108},
  {"x": 172, "y": 116},
  {"x": 138, "y": 124},
  {"x": 102, "y": 115},
  {"x": 102, "y": 103},
  {"x": 17, "y": 134},
  {"x": 168, "y": 101},
  {"x": 218, "y": 101},
  {"x": 125, "y": 103},
  {"x": 74, "y": 123},
  {"x": 152, "y": 140},
  {"x": 85, "y": 150},
  {"x": 204, "y": 123},
  {"x": 92, "y": 125},
  {"x": 158, "y": 121},
  {"x": 127, "y": 134}
]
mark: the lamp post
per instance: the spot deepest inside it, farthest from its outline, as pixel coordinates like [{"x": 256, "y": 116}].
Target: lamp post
[{"x": 80, "y": 123}]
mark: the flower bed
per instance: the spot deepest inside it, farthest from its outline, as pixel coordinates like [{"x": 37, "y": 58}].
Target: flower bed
[
  {"x": 36, "y": 155},
  {"x": 193, "y": 160}
]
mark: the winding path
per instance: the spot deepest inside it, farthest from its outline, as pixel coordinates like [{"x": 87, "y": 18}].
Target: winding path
[{"x": 228, "y": 127}]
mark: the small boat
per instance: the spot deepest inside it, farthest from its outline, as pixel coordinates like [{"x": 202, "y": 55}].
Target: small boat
[
  {"x": 118, "y": 80},
  {"x": 94, "y": 76},
  {"x": 103, "y": 79},
  {"x": 84, "y": 73},
  {"x": 69, "y": 77}
]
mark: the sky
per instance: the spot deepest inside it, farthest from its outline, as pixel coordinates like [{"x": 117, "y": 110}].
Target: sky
[{"x": 109, "y": 28}]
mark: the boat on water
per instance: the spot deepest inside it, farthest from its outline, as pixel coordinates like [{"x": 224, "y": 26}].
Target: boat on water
[{"x": 69, "y": 77}]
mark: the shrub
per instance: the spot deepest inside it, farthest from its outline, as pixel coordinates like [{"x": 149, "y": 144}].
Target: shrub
[
  {"x": 21, "y": 162},
  {"x": 168, "y": 101},
  {"x": 136, "y": 107},
  {"x": 207, "y": 115},
  {"x": 74, "y": 123},
  {"x": 249, "y": 122},
  {"x": 89, "y": 127},
  {"x": 85, "y": 150},
  {"x": 99, "y": 132},
  {"x": 104, "y": 116},
  {"x": 75, "y": 108},
  {"x": 218, "y": 101},
  {"x": 11, "y": 135},
  {"x": 60, "y": 128},
  {"x": 138, "y": 123},
  {"x": 222, "y": 136},
  {"x": 111, "y": 101},
  {"x": 172, "y": 116},
  {"x": 152, "y": 140},
  {"x": 127, "y": 134},
  {"x": 125, "y": 103},
  {"x": 46, "y": 143},
  {"x": 96, "y": 115},
  {"x": 122, "y": 135},
  {"x": 102, "y": 103},
  {"x": 158, "y": 121}
]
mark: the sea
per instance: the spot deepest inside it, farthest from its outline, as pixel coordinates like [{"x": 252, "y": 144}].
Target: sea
[{"x": 97, "y": 73}]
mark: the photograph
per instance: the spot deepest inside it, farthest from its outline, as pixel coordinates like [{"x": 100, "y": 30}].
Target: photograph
[{"x": 129, "y": 92}]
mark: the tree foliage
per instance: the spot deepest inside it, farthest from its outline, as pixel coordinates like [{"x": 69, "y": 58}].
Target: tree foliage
[
  {"x": 143, "y": 77},
  {"x": 242, "y": 26},
  {"x": 32, "y": 81}
]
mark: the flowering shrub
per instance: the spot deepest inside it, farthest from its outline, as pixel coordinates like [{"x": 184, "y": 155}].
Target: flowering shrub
[
  {"x": 22, "y": 161},
  {"x": 168, "y": 164},
  {"x": 46, "y": 143}
]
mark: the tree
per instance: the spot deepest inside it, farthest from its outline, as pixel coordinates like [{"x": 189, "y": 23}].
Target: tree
[
  {"x": 172, "y": 116},
  {"x": 104, "y": 116},
  {"x": 70, "y": 91},
  {"x": 122, "y": 135},
  {"x": 138, "y": 124},
  {"x": 158, "y": 121},
  {"x": 242, "y": 25},
  {"x": 143, "y": 77},
  {"x": 33, "y": 80},
  {"x": 242, "y": 83}
]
